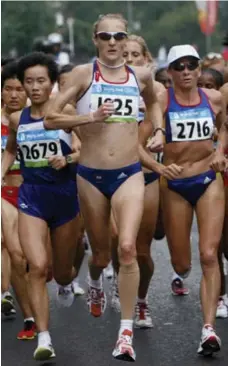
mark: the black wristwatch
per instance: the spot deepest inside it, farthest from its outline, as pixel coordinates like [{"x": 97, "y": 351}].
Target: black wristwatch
[
  {"x": 159, "y": 129},
  {"x": 69, "y": 159}
]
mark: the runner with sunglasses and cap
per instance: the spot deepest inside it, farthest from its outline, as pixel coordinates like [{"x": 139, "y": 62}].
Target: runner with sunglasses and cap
[
  {"x": 190, "y": 114},
  {"x": 109, "y": 172}
]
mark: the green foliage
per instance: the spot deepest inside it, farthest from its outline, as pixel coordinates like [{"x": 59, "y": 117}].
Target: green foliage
[
  {"x": 162, "y": 23},
  {"x": 22, "y": 22}
]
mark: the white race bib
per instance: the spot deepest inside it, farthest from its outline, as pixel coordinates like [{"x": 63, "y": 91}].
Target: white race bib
[
  {"x": 191, "y": 125},
  {"x": 125, "y": 99},
  {"x": 37, "y": 145}
]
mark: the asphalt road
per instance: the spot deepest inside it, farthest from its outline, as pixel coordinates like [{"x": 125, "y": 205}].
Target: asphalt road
[{"x": 81, "y": 340}]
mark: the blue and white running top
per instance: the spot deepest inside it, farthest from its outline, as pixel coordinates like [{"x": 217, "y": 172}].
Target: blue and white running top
[
  {"x": 125, "y": 96},
  {"x": 36, "y": 145},
  {"x": 189, "y": 123}
]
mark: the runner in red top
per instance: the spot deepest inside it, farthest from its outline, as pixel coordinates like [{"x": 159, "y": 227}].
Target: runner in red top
[{"x": 14, "y": 99}]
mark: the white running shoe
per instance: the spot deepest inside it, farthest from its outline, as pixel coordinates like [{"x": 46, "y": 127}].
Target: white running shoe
[
  {"x": 209, "y": 343},
  {"x": 65, "y": 295},
  {"x": 108, "y": 271},
  {"x": 124, "y": 350},
  {"x": 222, "y": 309},
  {"x": 143, "y": 318},
  {"x": 96, "y": 300},
  {"x": 114, "y": 294},
  {"x": 77, "y": 289},
  {"x": 44, "y": 351}
]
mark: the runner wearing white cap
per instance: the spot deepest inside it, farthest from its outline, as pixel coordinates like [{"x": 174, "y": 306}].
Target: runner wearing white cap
[{"x": 190, "y": 114}]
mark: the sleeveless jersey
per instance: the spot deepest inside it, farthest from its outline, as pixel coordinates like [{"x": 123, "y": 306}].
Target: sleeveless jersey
[
  {"x": 125, "y": 96},
  {"x": 189, "y": 123},
  {"x": 36, "y": 145}
]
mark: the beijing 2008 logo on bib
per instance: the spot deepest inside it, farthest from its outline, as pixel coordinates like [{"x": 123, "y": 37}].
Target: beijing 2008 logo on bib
[{"x": 98, "y": 88}]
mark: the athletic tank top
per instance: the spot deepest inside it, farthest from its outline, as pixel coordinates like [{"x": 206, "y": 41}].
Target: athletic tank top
[
  {"x": 125, "y": 96},
  {"x": 36, "y": 145},
  {"x": 188, "y": 123},
  {"x": 15, "y": 169}
]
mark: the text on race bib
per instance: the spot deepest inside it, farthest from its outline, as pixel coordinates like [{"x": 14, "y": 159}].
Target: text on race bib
[
  {"x": 125, "y": 99},
  {"x": 191, "y": 125},
  {"x": 37, "y": 146}
]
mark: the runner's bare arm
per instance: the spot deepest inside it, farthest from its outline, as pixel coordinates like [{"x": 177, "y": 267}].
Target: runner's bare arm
[
  {"x": 10, "y": 152},
  {"x": 145, "y": 131},
  {"x": 55, "y": 120},
  {"x": 59, "y": 162},
  {"x": 222, "y": 139},
  {"x": 153, "y": 109}
]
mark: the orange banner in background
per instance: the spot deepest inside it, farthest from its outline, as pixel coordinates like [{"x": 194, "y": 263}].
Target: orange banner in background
[{"x": 207, "y": 15}]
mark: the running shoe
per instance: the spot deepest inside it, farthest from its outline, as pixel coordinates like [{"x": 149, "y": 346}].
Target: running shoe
[
  {"x": 178, "y": 288},
  {"x": 124, "y": 350},
  {"x": 29, "y": 331},
  {"x": 222, "y": 309},
  {"x": 209, "y": 343},
  {"x": 65, "y": 295},
  {"x": 143, "y": 318},
  {"x": 114, "y": 294},
  {"x": 44, "y": 351},
  {"x": 8, "y": 306},
  {"x": 96, "y": 301},
  {"x": 77, "y": 289}
]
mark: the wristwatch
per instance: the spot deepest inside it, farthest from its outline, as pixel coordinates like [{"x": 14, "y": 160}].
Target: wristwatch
[
  {"x": 159, "y": 129},
  {"x": 69, "y": 159}
]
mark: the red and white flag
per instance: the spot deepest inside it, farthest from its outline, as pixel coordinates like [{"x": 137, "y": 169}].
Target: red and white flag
[{"x": 207, "y": 15}]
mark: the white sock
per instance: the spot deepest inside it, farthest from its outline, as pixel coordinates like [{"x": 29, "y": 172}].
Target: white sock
[
  {"x": 76, "y": 280},
  {"x": 65, "y": 286},
  {"x": 125, "y": 324},
  {"x": 4, "y": 294},
  {"x": 95, "y": 283},
  {"x": 44, "y": 337},
  {"x": 176, "y": 276},
  {"x": 142, "y": 301},
  {"x": 31, "y": 319}
]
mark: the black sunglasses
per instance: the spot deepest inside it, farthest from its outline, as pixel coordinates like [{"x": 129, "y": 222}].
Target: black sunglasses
[
  {"x": 181, "y": 66},
  {"x": 106, "y": 36}
]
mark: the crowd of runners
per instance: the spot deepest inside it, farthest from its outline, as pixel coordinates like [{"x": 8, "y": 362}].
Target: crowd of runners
[{"x": 112, "y": 154}]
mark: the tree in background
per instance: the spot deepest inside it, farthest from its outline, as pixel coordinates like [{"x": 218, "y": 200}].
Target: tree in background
[
  {"x": 159, "y": 22},
  {"x": 22, "y": 22}
]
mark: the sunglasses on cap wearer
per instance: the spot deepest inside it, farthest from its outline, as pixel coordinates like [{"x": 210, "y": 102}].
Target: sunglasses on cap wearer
[
  {"x": 212, "y": 55},
  {"x": 181, "y": 66},
  {"x": 106, "y": 36}
]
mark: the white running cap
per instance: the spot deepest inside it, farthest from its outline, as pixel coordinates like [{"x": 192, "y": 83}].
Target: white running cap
[{"x": 184, "y": 50}]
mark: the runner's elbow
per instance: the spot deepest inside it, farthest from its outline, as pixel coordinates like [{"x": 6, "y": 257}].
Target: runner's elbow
[{"x": 49, "y": 122}]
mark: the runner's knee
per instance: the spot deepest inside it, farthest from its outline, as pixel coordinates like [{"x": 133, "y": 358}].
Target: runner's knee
[
  {"x": 209, "y": 257},
  {"x": 126, "y": 252},
  {"x": 38, "y": 268}
]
